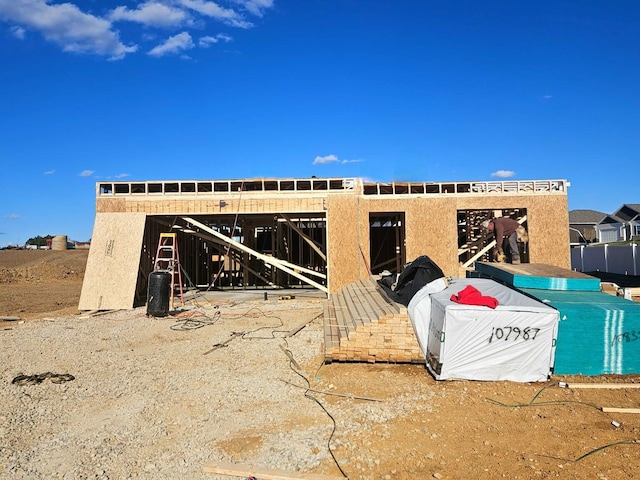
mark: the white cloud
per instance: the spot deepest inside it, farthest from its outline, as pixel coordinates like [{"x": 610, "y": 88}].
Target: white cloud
[
  {"x": 334, "y": 159},
  {"x": 86, "y": 173},
  {"x": 325, "y": 159},
  {"x": 18, "y": 32},
  {"x": 122, "y": 175},
  {"x": 255, "y": 7},
  {"x": 547, "y": 97},
  {"x": 13, "y": 216},
  {"x": 173, "y": 45},
  {"x": 151, "y": 14},
  {"x": 65, "y": 25},
  {"x": 207, "y": 41},
  {"x": 49, "y": 172},
  {"x": 213, "y": 10},
  {"x": 503, "y": 174}
]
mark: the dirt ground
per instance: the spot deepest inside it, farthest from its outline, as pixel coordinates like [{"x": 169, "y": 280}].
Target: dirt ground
[
  {"x": 36, "y": 283},
  {"x": 482, "y": 430}
]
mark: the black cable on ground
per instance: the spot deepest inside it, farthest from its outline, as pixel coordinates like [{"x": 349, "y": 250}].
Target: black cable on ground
[
  {"x": 533, "y": 403},
  {"x": 243, "y": 334},
  {"x": 595, "y": 450},
  {"x": 249, "y": 332},
  {"x": 193, "y": 323},
  {"x": 41, "y": 377},
  {"x": 292, "y": 361},
  {"x": 623, "y": 442},
  {"x": 311, "y": 397}
]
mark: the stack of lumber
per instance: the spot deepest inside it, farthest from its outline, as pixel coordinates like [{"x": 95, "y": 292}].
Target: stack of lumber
[{"x": 362, "y": 324}]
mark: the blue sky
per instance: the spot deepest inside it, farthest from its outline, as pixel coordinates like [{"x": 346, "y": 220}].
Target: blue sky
[{"x": 412, "y": 90}]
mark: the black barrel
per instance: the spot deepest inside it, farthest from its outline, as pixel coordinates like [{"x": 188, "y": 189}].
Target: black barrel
[{"x": 158, "y": 294}]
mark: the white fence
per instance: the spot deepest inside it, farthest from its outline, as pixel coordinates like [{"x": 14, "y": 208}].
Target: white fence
[{"x": 607, "y": 258}]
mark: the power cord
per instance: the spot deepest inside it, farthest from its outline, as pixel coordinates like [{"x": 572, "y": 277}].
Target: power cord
[{"x": 311, "y": 397}]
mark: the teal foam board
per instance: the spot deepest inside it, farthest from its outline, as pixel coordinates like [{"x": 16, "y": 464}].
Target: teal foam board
[
  {"x": 598, "y": 333},
  {"x": 521, "y": 276}
]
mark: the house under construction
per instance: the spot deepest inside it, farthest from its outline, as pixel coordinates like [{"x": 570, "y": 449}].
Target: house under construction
[{"x": 322, "y": 233}]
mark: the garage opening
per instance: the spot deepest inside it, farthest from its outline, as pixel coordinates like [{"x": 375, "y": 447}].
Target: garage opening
[{"x": 240, "y": 252}]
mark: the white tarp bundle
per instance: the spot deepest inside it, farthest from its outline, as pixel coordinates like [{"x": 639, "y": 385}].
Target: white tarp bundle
[{"x": 515, "y": 341}]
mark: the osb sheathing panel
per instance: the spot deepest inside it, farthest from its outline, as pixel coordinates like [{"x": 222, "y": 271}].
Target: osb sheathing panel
[
  {"x": 547, "y": 223},
  {"x": 431, "y": 224},
  {"x": 345, "y": 263},
  {"x": 228, "y": 206},
  {"x": 112, "y": 267},
  {"x": 111, "y": 205},
  {"x": 431, "y": 229}
]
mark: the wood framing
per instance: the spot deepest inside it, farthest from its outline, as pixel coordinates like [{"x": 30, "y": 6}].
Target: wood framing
[
  {"x": 308, "y": 233},
  {"x": 272, "y": 261}
]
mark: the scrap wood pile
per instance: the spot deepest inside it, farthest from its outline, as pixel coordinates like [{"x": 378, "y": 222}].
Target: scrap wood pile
[{"x": 362, "y": 324}]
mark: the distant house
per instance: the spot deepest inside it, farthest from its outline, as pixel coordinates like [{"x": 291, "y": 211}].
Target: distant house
[
  {"x": 582, "y": 226},
  {"x": 622, "y": 225}
]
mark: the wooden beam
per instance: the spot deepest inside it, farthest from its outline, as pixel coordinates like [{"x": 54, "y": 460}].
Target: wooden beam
[
  {"x": 311, "y": 243},
  {"x": 620, "y": 410},
  {"x": 479, "y": 254},
  {"x": 603, "y": 385},
  {"x": 298, "y": 268},
  {"x": 270, "y": 260},
  {"x": 256, "y": 273},
  {"x": 218, "y": 243},
  {"x": 287, "y": 264},
  {"x": 242, "y": 470}
]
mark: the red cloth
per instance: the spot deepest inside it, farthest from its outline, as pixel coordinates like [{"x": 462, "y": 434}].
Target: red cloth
[{"x": 470, "y": 295}]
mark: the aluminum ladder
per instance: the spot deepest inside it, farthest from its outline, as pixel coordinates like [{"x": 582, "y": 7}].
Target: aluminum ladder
[{"x": 168, "y": 260}]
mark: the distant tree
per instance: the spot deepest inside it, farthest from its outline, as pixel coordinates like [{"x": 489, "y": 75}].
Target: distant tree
[{"x": 38, "y": 241}]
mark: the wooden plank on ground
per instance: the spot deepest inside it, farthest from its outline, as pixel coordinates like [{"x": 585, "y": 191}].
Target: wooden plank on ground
[
  {"x": 263, "y": 473},
  {"x": 620, "y": 410},
  {"x": 295, "y": 330},
  {"x": 603, "y": 385}
]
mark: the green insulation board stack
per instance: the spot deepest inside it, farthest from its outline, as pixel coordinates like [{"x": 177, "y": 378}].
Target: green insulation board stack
[
  {"x": 598, "y": 333},
  {"x": 538, "y": 275}
]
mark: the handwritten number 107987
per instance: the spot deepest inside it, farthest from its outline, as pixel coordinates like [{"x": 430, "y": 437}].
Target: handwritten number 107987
[{"x": 513, "y": 333}]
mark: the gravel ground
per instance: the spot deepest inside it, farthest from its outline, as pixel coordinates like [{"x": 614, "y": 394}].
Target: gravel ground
[
  {"x": 147, "y": 402},
  {"x": 161, "y": 397},
  {"x": 154, "y": 398}
]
